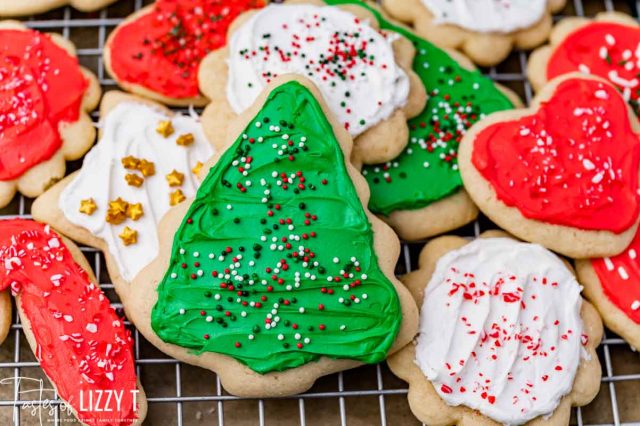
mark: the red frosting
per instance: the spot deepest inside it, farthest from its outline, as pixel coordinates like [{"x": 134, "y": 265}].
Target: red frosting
[
  {"x": 574, "y": 162},
  {"x": 161, "y": 50},
  {"x": 620, "y": 279},
  {"x": 82, "y": 344},
  {"x": 41, "y": 86},
  {"x": 605, "y": 49}
]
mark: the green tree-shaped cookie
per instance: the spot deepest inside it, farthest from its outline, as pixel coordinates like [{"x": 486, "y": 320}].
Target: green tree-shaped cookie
[
  {"x": 274, "y": 263},
  {"x": 427, "y": 170}
]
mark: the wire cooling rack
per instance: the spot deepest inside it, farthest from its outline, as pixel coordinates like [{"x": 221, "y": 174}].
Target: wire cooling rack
[{"x": 180, "y": 394}]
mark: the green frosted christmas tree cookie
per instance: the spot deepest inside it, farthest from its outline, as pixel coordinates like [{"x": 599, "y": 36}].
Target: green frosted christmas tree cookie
[
  {"x": 420, "y": 193},
  {"x": 277, "y": 273}
]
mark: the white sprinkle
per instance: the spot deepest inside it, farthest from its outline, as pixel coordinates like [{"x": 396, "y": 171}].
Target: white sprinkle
[
  {"x": 588, "y": 165},
  {"x": 632, "y": 254},
  {"x": 608, "y": 263},
  {"x": 635, "y": 305},
  {"x": 68, "y": 318},
  {"x": 598, "y": 178},
  {"x": 92, "y": 328},
  {"x": 209, "y": 318},
  {"x": 584, "y": 69},
  {"x": 623, "y": 273},
  {"x": 601, "y": 94},
  {"x": 182, "y": 311}
]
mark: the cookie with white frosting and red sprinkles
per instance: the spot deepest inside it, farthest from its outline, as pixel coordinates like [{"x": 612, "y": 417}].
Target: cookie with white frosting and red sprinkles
[
  {"x": 363, "y": 73},
  {"x": 612, "y": 284},
  {"x": 276, "y": 273},
  {"x": 11, "y": 8},
  {"x": 505, "y": 337},
  {"x": 79, "y": 340},
  {"x": 45, "y": 98},
  {"x": 485, "y": 30},
  {"x": 606, "y": 46},
  {"x": 562, "y": 173}
]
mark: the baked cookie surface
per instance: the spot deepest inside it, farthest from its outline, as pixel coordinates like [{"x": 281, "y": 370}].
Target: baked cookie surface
[
  {"x": 605, "y": 46},
  {"x": 505, "y": 337},
  {"x": 485, "y": 30},
  {"x": 146, "y": 160},
  {"x": 419, "y": 193},
  {"x": 364, "y": 75},
  {"x": 563, "y": 173},
  {"x": 44, "y": 103},
  {"x": 10, "y": 8},
  {"x": 612, "y": 285},
  {"x": 156, "y": 51},
  {"x": 275, "y": 274},
  {"x": 76, "y": 336}
]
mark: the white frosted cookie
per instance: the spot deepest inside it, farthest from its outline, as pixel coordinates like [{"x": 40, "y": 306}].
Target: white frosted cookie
[
  {"x": 485, "y": 30},
  {"x": 504, "y": 333},
  {"x": 364, "y": 74},
  {"x": 145, "y": 161}
]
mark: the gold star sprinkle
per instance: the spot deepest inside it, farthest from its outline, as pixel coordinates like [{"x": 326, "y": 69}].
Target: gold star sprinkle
[
  {"x": 196, "y": 169},
  {"x": 129, "y": 236},
  {"x": 185, "y": 140},
  {"x": 88, "y": 206},
  {"x": 117, "y": 211},
  {"x": 134, "y": 211},
  {"x": 130, "y": 162},
  {"x": 147, "y": 168},
  {"x": 175, "y": 178},
  {"x": 165, "y": 128},
  {"x": 176, "y": 197},
  {"x": 133, "y": 179}
]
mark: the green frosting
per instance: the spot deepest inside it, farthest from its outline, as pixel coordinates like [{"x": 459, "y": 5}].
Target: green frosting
[
  {"x": 427, "y": 170},
  {"x": 273, "y": 263}
]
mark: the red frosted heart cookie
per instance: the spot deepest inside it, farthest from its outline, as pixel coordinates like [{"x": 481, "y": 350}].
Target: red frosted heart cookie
[
  {"x": 613, "y": 285},
  {"x": 606, "y": 47},
  {"x": 44, "y": 97},
  {"x": 156, "y": 52},
  {"x": 562, "y": 173}
]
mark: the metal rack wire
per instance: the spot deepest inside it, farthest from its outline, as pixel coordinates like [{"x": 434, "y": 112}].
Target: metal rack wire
[{"x": 179, "y": 394}]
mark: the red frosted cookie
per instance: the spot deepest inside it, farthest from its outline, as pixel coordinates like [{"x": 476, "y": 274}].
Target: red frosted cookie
[
  {"x": 45, "y": 97},
  {"x": 563, "y": 173},
  {"x": 156, "y": 51},
  {"x": 606, "y": 46},
  {"x": 78, "y": 339},
  {"x": 613, "y": 285}
]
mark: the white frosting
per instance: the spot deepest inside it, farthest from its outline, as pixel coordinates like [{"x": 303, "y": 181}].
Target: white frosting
[
  {"x": 502, "y": 16},
  {"x": 130, "y": 129},
  {"x": 500, "y": 329},
  {"x": 256, "y": 51}
]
